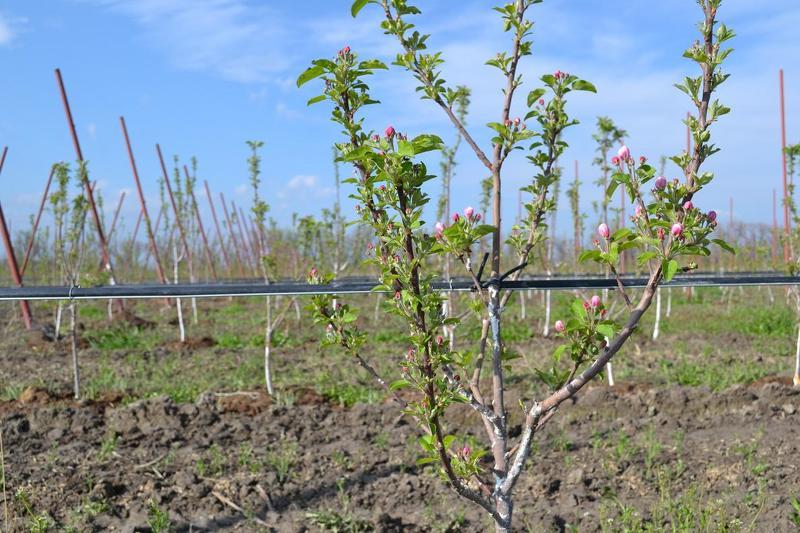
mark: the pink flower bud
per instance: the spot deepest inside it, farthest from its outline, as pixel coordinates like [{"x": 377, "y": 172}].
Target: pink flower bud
[
  {"x": 688, "y": 205},
  {"x": 661, "y": 183},
  {"x": 439, "y": 227},
  {"x": 624, "y": 153},
  {"x": 376, "y": 138},
  {"x": 439, "y": 340},
  {"x": 468, "y": 212},
  {"x": 615, "y": 161},
  {"x": 639, "y": 210},
  {"x": 313, "y": 272},
  {"x": 603, "y": 230},
  {"x": 411, "y": 354},
  {"x": 558, "y": 74},
  {"x": 478, "y": 217},
  {"x": 677, "y": 229},
  {"x": 397, "y": 295},
  {"x": 516, "y": 121},
  {"x": 712, "y": 216},
  {"x": 560, "y": 327},
  {"x": 642, "y": 160},
  {"x": 586, "y": 305},
  {"x": 466, "y": 452},
  {"x": 329, "y": 328},
  {"x": 595, "y": 301},
  {"x": 382, "y": 187},
  {"x": 660, "y": 234},
  {"x": 456, "y": 217},
  {"x": 389, "y": 132},
  {"x": 507, "y": 122},
  {"x": 541, "y": 101}
]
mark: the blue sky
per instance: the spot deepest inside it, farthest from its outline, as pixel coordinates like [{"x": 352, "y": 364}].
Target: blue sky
[{"x": 202, "y": 76}]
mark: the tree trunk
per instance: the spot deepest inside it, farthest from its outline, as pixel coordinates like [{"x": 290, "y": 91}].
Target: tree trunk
[{"x": 74, "y": 341}]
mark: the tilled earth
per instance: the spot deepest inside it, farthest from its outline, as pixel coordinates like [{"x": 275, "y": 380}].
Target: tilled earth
[{"x": 617, "y": 457}]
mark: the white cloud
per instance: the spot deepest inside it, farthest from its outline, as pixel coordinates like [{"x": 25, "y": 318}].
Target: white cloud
[
  {"x": 241, "y": 190},
  {"x": 231, "y": 38},
  {"x": 9, "y": 28}
]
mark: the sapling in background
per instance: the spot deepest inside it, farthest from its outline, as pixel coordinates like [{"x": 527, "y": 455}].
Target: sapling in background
[
  {"x": 69, "y": 211},
  {"x": 792, "y": 164},
  {"x": 444, "y": 207},
  {"x": 266, "y": 263}
]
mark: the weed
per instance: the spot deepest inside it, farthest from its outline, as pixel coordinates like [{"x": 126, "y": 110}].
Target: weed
[
  {"x": 795, "y": 515},
  {"x": 157, "y": 519},
  {"x": 282, "y": 459},
  {"x": 107, "y": 447}
]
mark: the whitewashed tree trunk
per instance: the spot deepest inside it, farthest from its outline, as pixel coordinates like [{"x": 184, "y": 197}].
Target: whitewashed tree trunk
[
  {"x": 669, "y": 303},
  {"x": 58, "y": 320},
  {"x": 658, "y": 314},
  {"x": 76, "y": 377},
  {"x": 796, "y": 378},
  {"x": 175, "y": 261},
  {"x": 267, "y": 347},
  {"x": 546, "y": 313}
]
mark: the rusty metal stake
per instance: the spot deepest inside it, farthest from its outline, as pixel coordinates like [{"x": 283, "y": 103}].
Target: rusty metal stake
[
  {"x": 232, "y": 234},
  {"x": 219, "y": 231},
  {"x": 175, "y": 210},
  {"x": 209, "y": 256},
  {"x": 11, "y": 258},
  {"x": 150, "y": 233},
  {"x": 36, "y": 221},
  {"x": 101, "y": 238},
  {"x": 116, "y": 217},
  {"x": 251, "y": 254}
]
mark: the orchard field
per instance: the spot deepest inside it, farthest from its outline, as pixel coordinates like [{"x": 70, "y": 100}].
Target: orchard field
[
  {"x": 392, "y": 362},
  {"x": 699, "y": 431}
]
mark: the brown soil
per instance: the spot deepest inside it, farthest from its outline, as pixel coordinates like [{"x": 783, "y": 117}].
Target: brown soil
[{"x": 279, "y": 463}]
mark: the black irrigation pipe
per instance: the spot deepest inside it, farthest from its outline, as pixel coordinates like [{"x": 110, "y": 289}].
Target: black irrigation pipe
[{"x": 366, "y": 285}]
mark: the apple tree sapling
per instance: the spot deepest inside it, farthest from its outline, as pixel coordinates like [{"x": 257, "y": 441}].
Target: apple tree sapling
[
  {"x": 793, "y": 240},
  {"x": 388, "y": 185},
  {"x": 69, "y": 211}
]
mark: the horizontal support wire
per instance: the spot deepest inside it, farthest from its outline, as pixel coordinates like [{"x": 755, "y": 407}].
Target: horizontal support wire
[{"x": 366, "y": 285}]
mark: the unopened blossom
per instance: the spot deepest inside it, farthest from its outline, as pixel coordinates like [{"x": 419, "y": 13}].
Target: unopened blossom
[
  {"x": 541, "y": 101},
  {"x": 624, "y": 153},
  {"x": 642, "y": 160},
  {"x": 376, "y": 137},
  {"x": 560, "y": 327},
  {"x": 677, "y": 229},
  {"x": 660, "y": 234},
  {"x": 688, "y": 205},
  {"x": 468, "y": 212},
  {"x": 661, "y": 183},
  {"x": 478, "y": 217},
  {"x": 389, "y": 132},
  {"x": 712, "y": 216},
  {"x": 638, "y": 210},
  {"x": 397, "y": 295},
  {"x": 615, "y": 161},
  {"x": 595, "y": 301},
  {"x": 603, "y": 230},
  {"x": 439, "y": 227},
  {"x": 466, "y": 452},
  {"x": 516, "y": 121},
  {"x": 456, "y": 217},
  {"x": 439, "y": 340},
  {"x": 586, "y": 305}
]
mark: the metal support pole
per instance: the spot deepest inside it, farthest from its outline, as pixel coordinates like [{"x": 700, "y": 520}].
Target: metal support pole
[
  {"x": 11, "y": 258},
  {"x": 209, "y": 256}
]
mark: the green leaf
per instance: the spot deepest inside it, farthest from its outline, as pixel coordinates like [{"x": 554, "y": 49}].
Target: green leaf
[
  {"x": 405, "y": 148},
  {"x": 426, "y": 143},
  {"x": 586, "y": 255},
  {"x": 370, "y": 64},
  {"x": 316, "y": 99},
  {"x": 724, "y": 245},
  {"x": 670, "y": 269},
  {"x": 534, "y": 96},
  {"x": 399, "y": 384},
  {"x": 606, "y": 330},
  {"x": 583, "y": 85},
  {"x": 357, "y": 6},
  {"x": 312, "y": 72},
  {"x": 645, "y": 257}
]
